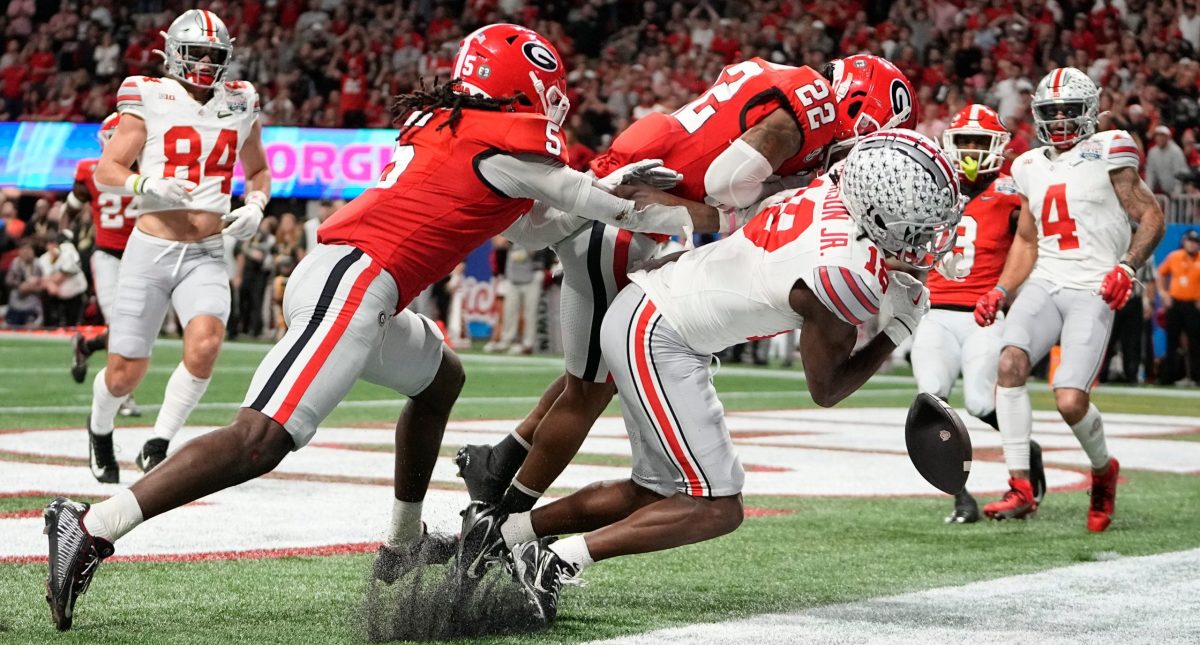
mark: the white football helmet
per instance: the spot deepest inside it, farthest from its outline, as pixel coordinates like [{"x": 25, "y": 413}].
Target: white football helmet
[
  {"x": 1073, "y": 94},
  {"x": 198, "y": 48},
  {"x": 904, "y": 194}
]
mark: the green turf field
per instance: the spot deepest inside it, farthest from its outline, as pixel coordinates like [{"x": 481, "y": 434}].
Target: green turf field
[{"x": 826, "y": 550}]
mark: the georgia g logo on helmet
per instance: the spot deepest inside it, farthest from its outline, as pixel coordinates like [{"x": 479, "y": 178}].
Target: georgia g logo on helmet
[
  {"x": 540, "y": 56},
  {"x": 901, "y": 99}
]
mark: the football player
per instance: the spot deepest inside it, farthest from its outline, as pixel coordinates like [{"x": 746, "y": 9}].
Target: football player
[
  {"x": 113, "y": 218},
  {"x": 748, "y": 136},
  {"x": 1074, "y": 259},
  {"x": 471, "y": 157},
  {"x": 185, "y": 131},
  {"x": 817, "y": 259},
  {"x": 948, "y": 341}
]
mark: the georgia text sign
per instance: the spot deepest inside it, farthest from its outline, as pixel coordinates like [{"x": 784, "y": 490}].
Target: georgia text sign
[{"x": 309, "y": 163}]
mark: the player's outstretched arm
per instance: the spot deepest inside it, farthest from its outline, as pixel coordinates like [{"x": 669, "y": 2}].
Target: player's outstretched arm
[
  {"x": 831, "y": 368},
  {"x": 737, "y": 176},
  {"x": 704, "y": 218}
]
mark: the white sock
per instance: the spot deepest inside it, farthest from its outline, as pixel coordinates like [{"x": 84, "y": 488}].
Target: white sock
[
  {"x": 104, "y": 405},
  {"x": 1014, "y": 414},
  {"x": 406, "y": 523},
  {"x": 518, "y": 529},
  {"x": 114, "y": 517},
  {"x": 574, "y": 550},
  {"x": 1090, "y": 433},
  {"x": 182, "y": 395}
]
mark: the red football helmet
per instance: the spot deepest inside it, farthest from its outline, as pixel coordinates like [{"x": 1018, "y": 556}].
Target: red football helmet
[
  {"x": 508, "y": 60},
  {"x": 872, "y": 94},
  {"x": 980, "y": 126},
  {"x": 107, "y": 127}
]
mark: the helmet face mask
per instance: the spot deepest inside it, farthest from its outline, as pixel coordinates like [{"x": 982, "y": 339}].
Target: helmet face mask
[
  {"x": 904, "y": 195},
  {"x": 975, "y": 141},
  {"x": 198, "y": 49},
  {"x": 1066, "y": 107}
]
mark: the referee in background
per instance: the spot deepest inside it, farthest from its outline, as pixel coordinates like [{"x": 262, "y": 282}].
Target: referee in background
[{"x": 1178, "y": 281}]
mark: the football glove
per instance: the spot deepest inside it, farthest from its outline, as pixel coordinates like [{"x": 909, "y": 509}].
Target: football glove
[
  {"x": 988, "y": 305},
  {"x": 168, "y": 189},
  {"x": 649, "y": 171},
  {"x": 904, "y": 304},
  {"x": 1118, "y": 286},
  {"x": 950, "y": 269},
  {"x": 244, "y": 221}
]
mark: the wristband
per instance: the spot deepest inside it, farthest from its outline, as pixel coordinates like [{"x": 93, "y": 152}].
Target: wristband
[
  {"x": 134, "y": 183},
  {"x": 1001, "y": 290},
  {"x": 257, "y": 198},
  {"x": 73, "y": 202}
]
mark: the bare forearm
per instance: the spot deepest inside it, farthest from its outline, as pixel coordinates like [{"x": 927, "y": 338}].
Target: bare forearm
[
  {"x": 845, "y": 379},
  {"x": 111, "y": 174},
  {"x": 1146, "y": 238},
  {"x": 1019, "y": 265},
  {"x": 260, "y": 181},
  {"x": 1142, "y": 206}
]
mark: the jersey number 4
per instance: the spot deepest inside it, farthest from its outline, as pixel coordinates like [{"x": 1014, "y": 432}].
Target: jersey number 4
[
  {"x": 1055, "y": 204},
  {"x": 182, "y": 149}
]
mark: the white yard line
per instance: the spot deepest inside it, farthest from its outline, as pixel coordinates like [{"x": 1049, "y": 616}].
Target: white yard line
[{"x": 1151, "y": 599}]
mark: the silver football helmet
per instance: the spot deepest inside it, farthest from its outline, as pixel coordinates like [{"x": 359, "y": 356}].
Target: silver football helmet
[
  {"x": 904, "y": 194},
  {"x": 198, "y": 48},
  {"x": 1073, "y": 94}
]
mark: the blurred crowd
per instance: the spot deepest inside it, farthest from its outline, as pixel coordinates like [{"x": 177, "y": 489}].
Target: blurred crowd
[{"x": 338, "y": 63}]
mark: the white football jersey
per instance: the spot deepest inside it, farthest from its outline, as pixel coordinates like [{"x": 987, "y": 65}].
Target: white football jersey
[
  {"x": 1082, "y": 230},
  {"x": 189, "y": 140},
  {"x": 738, "y": 288}
]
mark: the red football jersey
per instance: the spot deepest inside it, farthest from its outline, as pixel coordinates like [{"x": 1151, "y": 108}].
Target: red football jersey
[
  {"x": 113, "y": 216},
  {"x": 984, "y": 236},
  {"x": 689, "y": 139},
  {"x": 431, "y": 207}
]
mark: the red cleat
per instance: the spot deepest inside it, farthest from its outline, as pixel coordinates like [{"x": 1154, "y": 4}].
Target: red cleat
[
  {"x": 1104, "y": 497},
  {"x": 1017, "y": 504}
]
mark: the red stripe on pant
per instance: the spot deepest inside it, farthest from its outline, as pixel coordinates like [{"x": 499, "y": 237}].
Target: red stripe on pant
[
  {"x": 313, "y": 366},
  {"x": 621, "y": 259},
  {"x": 661, "y": 418}
]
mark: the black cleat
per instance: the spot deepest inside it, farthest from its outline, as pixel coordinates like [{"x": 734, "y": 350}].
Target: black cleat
[
  {"x": 431, "y": 548},
  {"x": 481, "y": 545},
  {"x": 482, "y": 485},
  {"x": 152, "y": 454},
  {"x": 1037, "y": 473},
  {"x": 542, "y": 574},
  {"x": 74, "y": 556},
  {"x": 101, "y": 457},
  {"x": 80, "y": 366},
  {"x": 966, "y": 511}
]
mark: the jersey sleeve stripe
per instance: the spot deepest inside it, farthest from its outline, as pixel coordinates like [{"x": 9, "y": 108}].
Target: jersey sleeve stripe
[
  {"x": 860, "y": 291},
  {"x": 137, "y": 98},
  {"x": 1120, "y": 149},
  {"x": 830, "y": 298}
]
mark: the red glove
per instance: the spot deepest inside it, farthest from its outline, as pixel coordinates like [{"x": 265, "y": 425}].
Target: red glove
[
  {"x": 1117, "y": 286},
  {"x": 989, "y": 305}
]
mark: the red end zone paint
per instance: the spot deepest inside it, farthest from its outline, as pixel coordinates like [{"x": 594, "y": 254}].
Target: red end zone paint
[{"x": 252, "y": 554}]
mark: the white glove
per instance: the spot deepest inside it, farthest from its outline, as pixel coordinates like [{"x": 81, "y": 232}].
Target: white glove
[
  {"x": 648, "y": 171},
  {"x": 949, "y": 267},
  {"x": 168, "y": 189},
  {"x": 904, "y": 304},
  {"x": 244, "y": 221}
]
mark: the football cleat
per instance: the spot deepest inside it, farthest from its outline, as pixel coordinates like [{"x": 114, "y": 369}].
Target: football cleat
[
  {"x": 74, "y": 556},
  {"x": 79, "y": 366},
  {"x": 1018, "y": 503},
  {"x": 966, "y": 510},
  {"x": 481, "y": 544},
  {"x": 1037, "y": 472},
  {"x": 542, "y": 574},
  {"x": 482, "y": 484},
  {"x": 101, "y": 457},
  {"x": 129, "y": 408},
  {"x": 152, "y": 454},
  {"x": 1104, "y": 497},
  {"x": 431, "y": 548}
]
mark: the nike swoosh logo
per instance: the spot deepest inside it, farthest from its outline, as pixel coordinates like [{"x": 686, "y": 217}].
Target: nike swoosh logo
[
  {"x": 222, "y": 115},
  {"x": 917, "y": 300}
]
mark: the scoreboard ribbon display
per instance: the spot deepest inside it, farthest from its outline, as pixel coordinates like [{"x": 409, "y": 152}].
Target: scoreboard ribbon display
[{"x": 307, "y": 163}]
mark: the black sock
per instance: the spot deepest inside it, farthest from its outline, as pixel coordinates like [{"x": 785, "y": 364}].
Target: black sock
[
  {"x": 990, "y": 419},
  {"x": 96, "y": 343},
  {"x": 507, "y": 457},
  {"x": 516, "y": 501}
]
